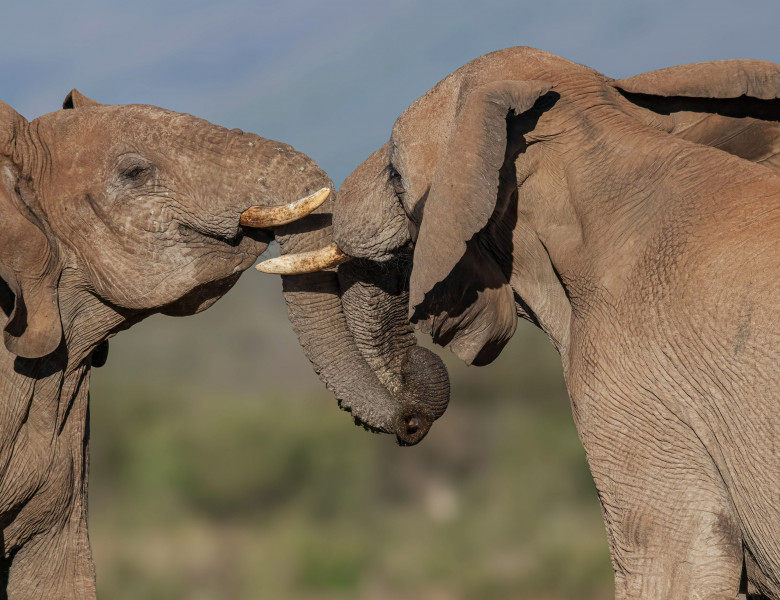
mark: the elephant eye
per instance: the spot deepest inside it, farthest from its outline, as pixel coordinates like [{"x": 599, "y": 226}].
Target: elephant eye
[
  {"x": 134, "y": 173},
  {"x": 135, "y": 170},
  {"x": 396, "y": 181}
]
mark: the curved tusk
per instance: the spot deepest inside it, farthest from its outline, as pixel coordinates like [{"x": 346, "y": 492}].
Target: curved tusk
[
  {"x": 272, "y": 216},
  {"x": 305, "y": 262}
]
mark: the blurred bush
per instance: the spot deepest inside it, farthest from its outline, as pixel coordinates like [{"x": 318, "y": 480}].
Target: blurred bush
[{"x": 222, "y": 469}]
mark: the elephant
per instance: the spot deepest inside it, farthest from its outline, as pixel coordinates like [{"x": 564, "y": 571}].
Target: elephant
[
  {"x": 110, "y": 214},
  {"x": 636, "y": 222}
]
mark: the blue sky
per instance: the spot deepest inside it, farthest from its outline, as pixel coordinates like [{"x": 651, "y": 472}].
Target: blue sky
[{"x": 331, "y": 77}]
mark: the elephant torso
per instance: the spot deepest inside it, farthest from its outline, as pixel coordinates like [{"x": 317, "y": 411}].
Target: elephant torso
[{"x": 675, "y": 385}]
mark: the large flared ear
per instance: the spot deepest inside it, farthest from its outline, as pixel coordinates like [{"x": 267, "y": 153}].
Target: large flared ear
[
  {"x": 464, "y": 188},
  {"x": 75, "y": 99},
  {"x": 28, "y": 262},
  {"x": 717, "y": 79},
  {"x": 472, "y": 312},
  {"x": 457, "y": 288},
  {"x": 733, "y": 105}
]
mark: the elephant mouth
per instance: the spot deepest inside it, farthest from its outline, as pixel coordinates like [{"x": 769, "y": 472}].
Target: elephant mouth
[
  {"x": 254, "y": 229},
  {"x": 242, "y": 244},
  {"x": 261, "y": 236}
]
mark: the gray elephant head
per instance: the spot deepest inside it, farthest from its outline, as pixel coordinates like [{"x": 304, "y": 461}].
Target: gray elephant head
[
  {"x": 133, "y": 208},
  {"x": 468, "y": 195}
]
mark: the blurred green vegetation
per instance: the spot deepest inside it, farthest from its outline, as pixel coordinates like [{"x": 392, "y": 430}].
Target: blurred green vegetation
[{"x": 221, "y": 468}]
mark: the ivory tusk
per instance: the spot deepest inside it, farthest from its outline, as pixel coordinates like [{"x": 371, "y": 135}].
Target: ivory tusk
[
  {"x": 305, "y": 262},
  {"x": 272, "y": 216}
]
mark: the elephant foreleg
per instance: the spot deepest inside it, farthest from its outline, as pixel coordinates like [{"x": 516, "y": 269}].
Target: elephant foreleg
[
  {"x": 672, "y": 528},
  {"x": 57, "y": 564},
  {"x": 664, "y": 548}
]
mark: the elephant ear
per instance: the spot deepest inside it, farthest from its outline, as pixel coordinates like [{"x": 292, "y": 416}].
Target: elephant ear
[
  {"x": 457, "y": 288},
  {"x": 472, "y": 311},
  {"x": 75, "y": 99},
  {"x": 28, "y": 264},
  {"x": 733, "y": 105},
  {"x": 717, "y": 79}
]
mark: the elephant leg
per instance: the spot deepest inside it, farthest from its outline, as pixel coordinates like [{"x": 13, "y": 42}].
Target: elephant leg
[
  {"x": 47, "y": 545},
  {"x": 56, "y": 564},
  {"x": 672, "y": 528},
  {"x": 665, "y": 548}
]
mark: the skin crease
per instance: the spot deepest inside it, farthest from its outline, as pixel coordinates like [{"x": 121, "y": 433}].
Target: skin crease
[
  {"x": 158, "y": 194},
  {"x": 531, "y": 186}
]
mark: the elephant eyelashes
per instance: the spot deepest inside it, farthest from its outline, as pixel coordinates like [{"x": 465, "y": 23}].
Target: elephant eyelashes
[{"x": 135, "y": 173}]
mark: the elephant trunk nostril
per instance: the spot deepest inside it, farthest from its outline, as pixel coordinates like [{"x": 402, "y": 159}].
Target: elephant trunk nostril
[{"x": 412, "y": 424}]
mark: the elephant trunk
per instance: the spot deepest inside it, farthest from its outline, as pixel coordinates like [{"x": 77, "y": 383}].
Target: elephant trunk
[
  {"x": 314, "y": 308},
  {"x": 355, "y": 331},
  {"x": 369, "y": 361},
  {"x": 375, "y": 301}
]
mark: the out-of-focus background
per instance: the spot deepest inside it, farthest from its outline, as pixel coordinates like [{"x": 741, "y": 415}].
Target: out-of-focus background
[{"x": 220, "y": 466}]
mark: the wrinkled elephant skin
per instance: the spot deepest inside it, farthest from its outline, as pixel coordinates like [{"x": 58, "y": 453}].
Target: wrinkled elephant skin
[{"x": 626, "y": 220}]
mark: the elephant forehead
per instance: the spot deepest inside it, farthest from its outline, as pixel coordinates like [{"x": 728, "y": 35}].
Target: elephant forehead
[
  {"x": 419, "y": 141},
  {"x": 103, "y": 127},
  {"x": 428, "y": 118},
  {"x": 366, "y": 193},
  {"x": 434, "y": 112}
]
